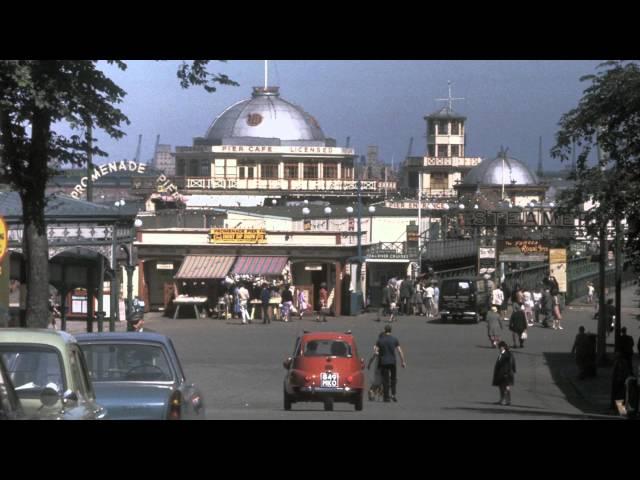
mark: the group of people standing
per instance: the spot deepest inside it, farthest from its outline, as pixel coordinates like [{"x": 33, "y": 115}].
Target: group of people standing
[
  {"x": 409, "y": 297},
  {"x": 288, "y": 299}
]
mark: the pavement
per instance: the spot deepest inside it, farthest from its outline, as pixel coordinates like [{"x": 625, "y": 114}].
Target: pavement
[{"x": 596, "y": 391}]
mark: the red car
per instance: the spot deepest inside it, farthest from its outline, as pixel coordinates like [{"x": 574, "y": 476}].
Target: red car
[{"x": 324, "y": 368}]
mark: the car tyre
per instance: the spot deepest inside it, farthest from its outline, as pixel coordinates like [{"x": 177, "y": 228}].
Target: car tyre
[
  {"x": 328, "y": 405},
  {"x": 359, "y": 403},
  {"x": 287, "y": 401}
]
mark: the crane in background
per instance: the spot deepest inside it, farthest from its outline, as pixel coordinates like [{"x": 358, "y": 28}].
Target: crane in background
[
  {"x": 137, "y": 156},
  {"x": 155, "y": 150}
]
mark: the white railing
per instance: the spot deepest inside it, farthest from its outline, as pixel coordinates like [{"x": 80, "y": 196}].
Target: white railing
[{"x": 207, "y": 183}]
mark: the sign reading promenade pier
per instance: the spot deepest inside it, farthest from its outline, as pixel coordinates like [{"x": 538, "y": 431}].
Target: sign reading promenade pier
[{"x": 237, "y": 235}]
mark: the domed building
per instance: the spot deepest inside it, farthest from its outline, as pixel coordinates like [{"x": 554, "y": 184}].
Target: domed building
[
  {"x": 266, "y": 145},
  {"x": 501, "y": 178}
]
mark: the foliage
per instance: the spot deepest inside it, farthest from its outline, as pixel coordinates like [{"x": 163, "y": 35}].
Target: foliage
[{"x": 606, "y": 118}]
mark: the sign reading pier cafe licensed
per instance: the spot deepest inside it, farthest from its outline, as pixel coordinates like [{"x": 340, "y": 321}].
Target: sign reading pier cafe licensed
[{"x": 122, "y": 166}]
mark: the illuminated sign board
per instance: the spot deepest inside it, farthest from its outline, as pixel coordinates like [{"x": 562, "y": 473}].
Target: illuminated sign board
[{"x": 237, "y": 235}]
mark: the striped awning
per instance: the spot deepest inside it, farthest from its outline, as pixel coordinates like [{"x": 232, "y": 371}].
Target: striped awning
[
  {"x": 204, "y": 266},
  {"x": 249, "y": 265}
]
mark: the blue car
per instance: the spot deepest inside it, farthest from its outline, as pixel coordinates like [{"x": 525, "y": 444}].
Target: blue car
[{"x": 138, "y": 376}]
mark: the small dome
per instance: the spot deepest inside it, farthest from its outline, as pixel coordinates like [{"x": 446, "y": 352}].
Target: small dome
[
  {"x": 489, "y": 172},
  {"x": 446, "y": 113},
  {"x": 265, "y": 115}
]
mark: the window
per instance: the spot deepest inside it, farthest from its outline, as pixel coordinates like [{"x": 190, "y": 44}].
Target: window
[
  {"x": 431, "y": 150},
  {"x": 455, "y": 150},
  {"x": 269, "y": 171},
  {"x": 455, "y": 127},
  {"x": 311, "y": 171},
  {"x": 194, "y": 170},
  {"x": 443, "y": 127},
  {"x": 330, "y": 171},
  {"x": 127, "y": 362},
  {"x": 442, "y": 151},
  {"x": 32, "y": 368},
  {"x": 180, "y": 168},
  {"x": 241, "y": 173},
  {"x": 323, "y": 348},
  {"x": 291, "y": 171},
  {"x": 439, "y": 181},
  {"x": 432, "y": 127}
]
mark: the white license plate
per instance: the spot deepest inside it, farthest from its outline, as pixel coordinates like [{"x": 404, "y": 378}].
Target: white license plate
[{"x": 329, "y": 379}]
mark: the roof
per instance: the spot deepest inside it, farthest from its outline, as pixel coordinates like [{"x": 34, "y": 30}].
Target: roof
[
  {"x": 122, "y": 337},
  {"x": 55, "y": 338},
  {"x": 259, "y": 265},
  {"x": 316, "y": 211},
  {"x": 446, "y": 113},
  {"x": 490, "y": 172},
  {"x": 265, "y": 115},
  {"x": 195, "y": 267},
  {"x": 327, "y": 335},
  {"x": 59, "y": 205}
]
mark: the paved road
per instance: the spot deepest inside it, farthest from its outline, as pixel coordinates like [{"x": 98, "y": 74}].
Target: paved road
[{"x": 448, "y": 376}]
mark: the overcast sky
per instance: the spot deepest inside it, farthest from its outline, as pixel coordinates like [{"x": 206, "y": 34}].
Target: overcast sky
[{"x": 375, "y": 102}]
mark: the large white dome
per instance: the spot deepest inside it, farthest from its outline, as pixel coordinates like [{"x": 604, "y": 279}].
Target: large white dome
[
  {"x": 489, "y": 172},
  {"x": 265, "y": 115}
]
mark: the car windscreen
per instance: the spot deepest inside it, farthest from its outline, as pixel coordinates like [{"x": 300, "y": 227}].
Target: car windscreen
[
  {"x": 127, "y": 362},
  {"x": 32, "y": 368},
  {"x": 324, "y": 348}
]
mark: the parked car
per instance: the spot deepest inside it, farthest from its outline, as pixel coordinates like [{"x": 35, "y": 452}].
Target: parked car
[
  {"x": 324, "y": 368},
  {"x": 138, "y": 376},
  {"x": 10, "y": 406},
  {"x": 464, "y": 298},
  {"x": 49, "y": 375}
]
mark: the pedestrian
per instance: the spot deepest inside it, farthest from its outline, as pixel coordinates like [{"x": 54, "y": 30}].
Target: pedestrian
[
  {"x": 528, "y": 307},
  {"x": 375, "y": 386},
  {"x": 386, "y": 348},
  {"x": 537, "y": 299},
  {"x": 323, "y": 297},
  {"x": 393, "y": 303},
  {"x": 287, "y": 302},
  {"x": 546, "y": 306},
  {"x": 302, "y": 303},
  {"x": 626, "y": 347},
  {"x": 590, "y": 291},
  {"x": 506, "y": 292},
  {"x": 419, "y": 299},
  {"x": 493, "y": 324},
  {"x": 265, "y": 297},
  {"x": 436, "y": 298},
  {"x": 609, "y": 315},
  {"x": 504, "y": 373},
  {"x": 406, "y": 292},
  {"x": 581, "y": 350},
  {"x": 497, "y": 297},
  {"x": 429, "y": 292},
  {"x": 619, "y": 376},
  {"x": 243, "y": 301},
  {"x": 518, "y": 326},
  {"x": 385, "y": 301},
  {"x": 53, "y": 311}
]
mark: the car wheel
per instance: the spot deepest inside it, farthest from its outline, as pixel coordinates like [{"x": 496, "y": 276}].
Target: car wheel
[
  {"x": 359, "y": 403},
  {"x": 287, "y": 401},
  {"x": 328, "y": 405}
]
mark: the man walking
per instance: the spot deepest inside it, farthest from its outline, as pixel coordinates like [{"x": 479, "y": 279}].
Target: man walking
[
  {"x": 504, "y": 373},
  {"x": 385, "y": 348}
]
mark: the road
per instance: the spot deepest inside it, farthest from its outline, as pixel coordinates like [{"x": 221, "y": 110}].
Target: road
[{"x": 448, "y": 375}]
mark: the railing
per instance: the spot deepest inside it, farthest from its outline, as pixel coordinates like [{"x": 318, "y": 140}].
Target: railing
[{"x": 210, "y": 183}]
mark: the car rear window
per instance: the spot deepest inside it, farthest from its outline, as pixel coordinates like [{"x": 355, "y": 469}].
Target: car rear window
[
  {"x": 126, "y": 362},
  {"x": 462, "y": 287},
  {"x": 324, "y": 348}
]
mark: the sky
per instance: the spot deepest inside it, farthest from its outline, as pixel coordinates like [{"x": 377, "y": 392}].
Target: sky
[{"x": 375, "y": 102}]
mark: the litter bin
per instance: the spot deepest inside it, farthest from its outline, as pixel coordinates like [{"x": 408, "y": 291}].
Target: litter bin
[{"x": 355, "y": 303}]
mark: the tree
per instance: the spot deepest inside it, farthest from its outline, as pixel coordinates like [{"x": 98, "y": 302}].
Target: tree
[
  {"x": 606, "y": 119},
  {"x": 34, "y": 95}
]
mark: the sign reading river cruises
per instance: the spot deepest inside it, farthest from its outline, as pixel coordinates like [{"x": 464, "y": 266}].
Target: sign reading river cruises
[{"x": 237, "y": 235}]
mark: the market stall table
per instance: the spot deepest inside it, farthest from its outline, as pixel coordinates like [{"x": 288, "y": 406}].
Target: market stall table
[{"x": 186, "y": 300}]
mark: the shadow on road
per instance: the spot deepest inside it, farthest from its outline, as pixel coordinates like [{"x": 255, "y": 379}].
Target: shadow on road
[
  {"x": 514, "y": 409},
  {"x": 589, "y": 395}
]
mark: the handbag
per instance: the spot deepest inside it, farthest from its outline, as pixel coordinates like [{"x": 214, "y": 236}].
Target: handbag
[{"x": 523, "y": 336}]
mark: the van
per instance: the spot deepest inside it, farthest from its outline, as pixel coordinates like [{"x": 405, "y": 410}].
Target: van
[{"x": 464, "y": 298}]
